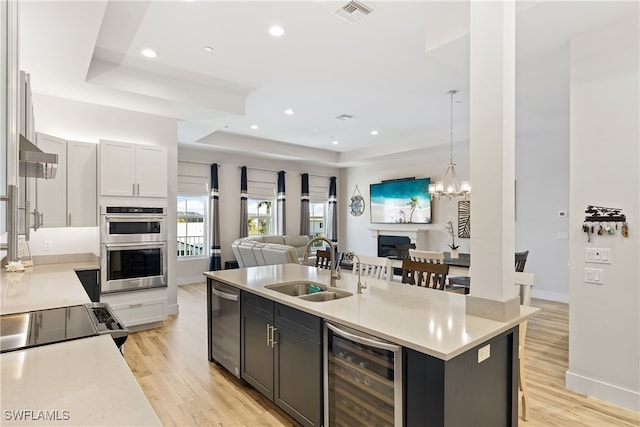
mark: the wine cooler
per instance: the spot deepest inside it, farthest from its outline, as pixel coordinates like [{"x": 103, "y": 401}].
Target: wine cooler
[{"x": 362, "y": 379}]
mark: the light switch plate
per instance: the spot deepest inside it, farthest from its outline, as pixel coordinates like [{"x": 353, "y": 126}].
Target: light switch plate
[
  {"x": 594, "y": 275},
  {"x": 484, "y": 353},
  {"x": 597, "y": 255}
]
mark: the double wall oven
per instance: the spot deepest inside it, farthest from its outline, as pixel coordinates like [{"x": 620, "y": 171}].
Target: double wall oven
[{"x": 133, "y": 248}]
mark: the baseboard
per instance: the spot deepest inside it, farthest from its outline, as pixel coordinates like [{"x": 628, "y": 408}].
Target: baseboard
[
  {"x": 550, "y": 295},
  {"x": 173, "y": 309},
  {"x": 189, "y": 280},
  {"x": 608, "y": 392}
]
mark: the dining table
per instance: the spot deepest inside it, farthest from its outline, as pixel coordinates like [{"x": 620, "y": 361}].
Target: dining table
[{"x": 457, "y": 266}]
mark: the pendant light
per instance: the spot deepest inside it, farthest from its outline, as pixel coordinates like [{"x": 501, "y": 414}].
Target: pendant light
[{"x": 449, "y": 186}]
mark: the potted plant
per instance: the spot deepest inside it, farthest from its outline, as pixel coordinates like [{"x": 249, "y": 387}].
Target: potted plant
[{"x": 448, "y": 228}]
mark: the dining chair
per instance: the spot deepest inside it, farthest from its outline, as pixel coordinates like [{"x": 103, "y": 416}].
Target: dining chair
[
  {"x": 323, "y": 259},
  {"x": 425, "y": 274},
  {"x": 433, "y": 257},
  {"x": 465, "y": 281},
  {"x": 525, "y": 282},
  {"x": 372, "y": 266},
  {"x": 403, "y": 250}
]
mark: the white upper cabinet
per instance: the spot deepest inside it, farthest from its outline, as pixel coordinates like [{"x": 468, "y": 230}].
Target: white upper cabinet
[
  {"x": 51, "y": 194},
  {"x": 70, "y": 199},
  {"x": 82, "y": 184},
  {"x": 132, "y": 170}
]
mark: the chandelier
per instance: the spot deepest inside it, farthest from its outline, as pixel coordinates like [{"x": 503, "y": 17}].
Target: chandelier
[{"x": 449, "y": 186}]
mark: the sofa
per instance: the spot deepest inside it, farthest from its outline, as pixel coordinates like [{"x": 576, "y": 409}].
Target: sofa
[{"x": 267, "y": 250}]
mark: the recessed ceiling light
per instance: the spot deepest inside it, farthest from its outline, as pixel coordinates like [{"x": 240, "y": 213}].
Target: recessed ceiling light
[
  {"x": 208, "y": 49},
  {"x": 149, "y": 53},
  {"x": 374, "y": 132},
  {"x": 276, "y": 31},
  {"x": 335, "y": 142},
  {"x": 289, "y": 112},
  {"x": 254, "y": 126}
]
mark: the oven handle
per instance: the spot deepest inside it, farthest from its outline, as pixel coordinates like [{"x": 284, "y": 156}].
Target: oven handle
[
  {"x": 136, "y": 245},
  {"x": 363, "y": 340},
  {"x": 134, "y": 217}
]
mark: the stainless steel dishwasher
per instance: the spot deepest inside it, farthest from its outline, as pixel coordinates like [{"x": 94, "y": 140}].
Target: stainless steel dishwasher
[{"x": 224, "y": 326}]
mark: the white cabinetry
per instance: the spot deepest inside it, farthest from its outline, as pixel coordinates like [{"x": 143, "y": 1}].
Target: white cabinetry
[
  {"x": 69, "y": 200},
  {"x": 138, "y": 307},
  {"x": 132, "y": 170}
]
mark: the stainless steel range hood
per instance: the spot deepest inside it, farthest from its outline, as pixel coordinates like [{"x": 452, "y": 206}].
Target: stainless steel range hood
[{"x": 34, "y": 163}]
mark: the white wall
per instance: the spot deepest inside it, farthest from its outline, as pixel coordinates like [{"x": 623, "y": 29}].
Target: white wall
[
  {"x": 604, "y": 322},
  {"x": 542, "y": 191},
  {"x": 80, "y": 121},
  {"x": 229, "y": 196}
]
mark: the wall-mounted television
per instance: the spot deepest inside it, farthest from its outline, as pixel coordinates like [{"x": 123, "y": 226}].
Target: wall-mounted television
[{"x": 403, "y": 201}]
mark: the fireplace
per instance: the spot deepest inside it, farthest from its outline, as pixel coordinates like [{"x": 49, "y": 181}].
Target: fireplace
[{"x": 387, "y": 245}]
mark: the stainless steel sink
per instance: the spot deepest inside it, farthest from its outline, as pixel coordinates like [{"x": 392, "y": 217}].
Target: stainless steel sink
[
  {"x": 297, "y": 289},
  {"x": 309, "y": 291},
  {"x": 326, "y": 296}
]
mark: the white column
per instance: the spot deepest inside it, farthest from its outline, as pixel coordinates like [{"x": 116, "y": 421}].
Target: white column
[{"x": 492, "y": 170}]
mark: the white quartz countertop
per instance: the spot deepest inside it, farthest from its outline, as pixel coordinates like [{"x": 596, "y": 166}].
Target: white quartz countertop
[
  {"x": 426, "y": 320},
  {"x": 84, "y": 382},
  {"x": 43, "y": 286}
]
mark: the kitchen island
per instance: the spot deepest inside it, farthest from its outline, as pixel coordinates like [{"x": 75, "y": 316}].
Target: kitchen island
[
  {"x": 81, "y": 382},
  {"x": 444, "y": 380}
]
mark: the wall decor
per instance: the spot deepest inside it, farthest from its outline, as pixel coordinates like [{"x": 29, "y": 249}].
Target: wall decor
[
  {"x": 464, "y": 219},
  {"x": 356, "y": 205},
  {"x": 404, "y": 201}
]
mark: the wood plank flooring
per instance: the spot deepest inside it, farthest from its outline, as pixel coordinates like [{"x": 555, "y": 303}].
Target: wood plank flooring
[{"x": 171, "y": 366}]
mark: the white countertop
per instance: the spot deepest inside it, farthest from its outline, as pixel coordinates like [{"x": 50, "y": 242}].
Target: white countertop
[
  {"x": 42, "y": 286},
  {"x": 426, "y": 320},
  {"x": 88, "y": 378},
  {"x": 84, "y": 382}
]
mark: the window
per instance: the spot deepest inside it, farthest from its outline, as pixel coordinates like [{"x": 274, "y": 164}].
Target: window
[
  {"x": 317, "y": 222},
  {"x": 192, "y": 241},
  {"x": 261, "y": 218}
]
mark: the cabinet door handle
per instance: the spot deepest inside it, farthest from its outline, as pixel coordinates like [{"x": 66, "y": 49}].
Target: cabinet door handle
[
  {"x": 69, "y": 221},
  {"x": 138, "y": 192},
  {"x": 134, "y": 189},
  {"x": 135, "y": 305},
  {"x": 268, "y": 335},
  {"x": 273, "y": 336}
]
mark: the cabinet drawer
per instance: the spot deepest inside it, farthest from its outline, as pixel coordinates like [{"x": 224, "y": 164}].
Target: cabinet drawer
[
  {"x": 306, "y": 324},
  {"x": 140, "y": 313},
  {"x": 258, "y": 305}
]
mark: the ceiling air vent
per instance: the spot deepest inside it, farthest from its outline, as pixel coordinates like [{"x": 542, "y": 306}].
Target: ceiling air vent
[
  {"x": 344, "y": 117},
  {"x": 354, "y": 11}
]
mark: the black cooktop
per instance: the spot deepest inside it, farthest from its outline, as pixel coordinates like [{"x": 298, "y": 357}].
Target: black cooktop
[{"x": 35, "y": 328}]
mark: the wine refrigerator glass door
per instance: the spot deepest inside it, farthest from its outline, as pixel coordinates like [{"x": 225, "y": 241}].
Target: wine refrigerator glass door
[{"x": 362, "y": 382}]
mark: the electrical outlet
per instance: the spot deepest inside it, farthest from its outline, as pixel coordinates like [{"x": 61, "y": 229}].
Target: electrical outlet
[
  {"x": 484, "y": 353},
  {"x": 47, "y": 245}
]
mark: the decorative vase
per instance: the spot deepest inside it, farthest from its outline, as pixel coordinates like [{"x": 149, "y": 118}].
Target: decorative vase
[{"x": 454, "y": 253}]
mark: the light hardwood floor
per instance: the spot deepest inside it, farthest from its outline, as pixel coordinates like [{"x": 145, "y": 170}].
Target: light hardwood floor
[{"x": 171, "y": 366}]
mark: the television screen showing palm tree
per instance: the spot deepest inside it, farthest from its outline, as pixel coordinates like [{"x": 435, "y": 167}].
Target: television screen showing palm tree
[{"x": 405, "y": 201}]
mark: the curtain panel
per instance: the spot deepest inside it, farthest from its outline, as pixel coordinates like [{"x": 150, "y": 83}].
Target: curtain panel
[
  {"x": 215, "y": 261},
  {"x": 244, "y": 212},
  {"x": 281, "y": 211},
  {"x": 304, "y": 206},
  {"x": 332, "y": 213}
]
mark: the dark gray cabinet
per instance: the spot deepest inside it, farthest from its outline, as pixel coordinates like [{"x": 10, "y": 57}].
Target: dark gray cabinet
[
  {"x": 90, "y": 280},
  {"x": 282, "y": 356}
]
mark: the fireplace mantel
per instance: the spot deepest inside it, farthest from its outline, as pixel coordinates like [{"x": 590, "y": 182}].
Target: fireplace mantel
[{"x": 417, "y": 235}]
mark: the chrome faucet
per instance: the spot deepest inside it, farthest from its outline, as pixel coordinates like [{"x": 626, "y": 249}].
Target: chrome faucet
[
  {"x": 335, "y": 269},
  {"x": 350, "y": 256}
]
